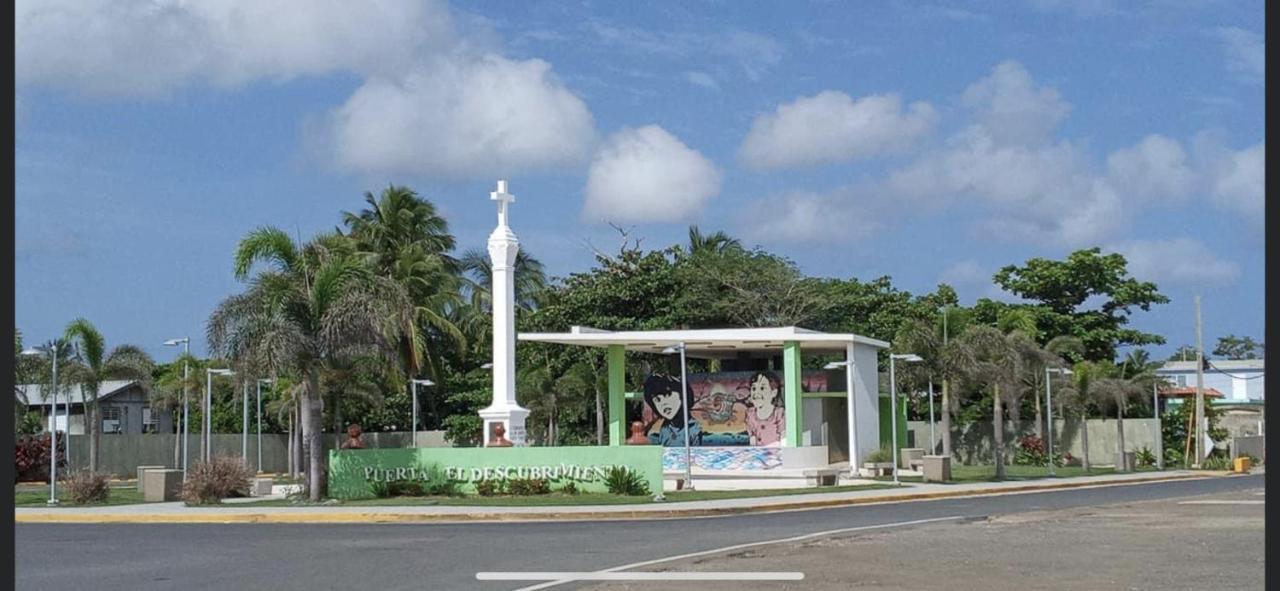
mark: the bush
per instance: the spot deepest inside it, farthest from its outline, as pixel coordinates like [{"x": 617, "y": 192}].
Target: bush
[
  {"x": 1253, "y": 461},
  {"x": 220, "y": 478},
  {"x": 405, "y": 488},
  {"x": 625, "y": 481},
  {"x": 1030, "y": 452},
  {"x": 529, "y": 486},
  {"x": 489, "y": 488},
  {"x": 31, "y": 457},
  {"x": 879, "y": 456},
  {"x": 1215, "y": 462},
  {"x": 569, "y": 488},
  {"x": 1145, "y": 457},
  {"x": 85, "y": 487}
]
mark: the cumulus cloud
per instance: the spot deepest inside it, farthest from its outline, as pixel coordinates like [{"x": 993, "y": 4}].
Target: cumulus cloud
[
  {"x": 1246, "y": 53},
  {"x": 1155, "y": 168},
  {"x": 139, "y": 48},
  {"x": 1180, "y": 261},
  {"x": 1234, "y": 179},
  {"x": 833, "y": 127},
  {"x": 1012, "y": 109},
  {"x": 844, "y": 214},
  {"x": 463, "y": 118},
  {"x": 702, "y": 79},
  {"x": 648, "y": 175}
]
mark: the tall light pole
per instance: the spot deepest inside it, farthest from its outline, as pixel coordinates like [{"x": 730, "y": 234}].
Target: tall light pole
[
  {"x": 413, "y": 386},
  {"x": 244, "y": 424},
  {"x": 685, "y": 399},
  {"x": 53, "y": 423},
  {"x": 1155, "y": 409},
  {"x": 933, "y": 438},
  {"x": 207, "y": 419},
  {"x": 1201, "y": 452},
  {"x": 850, "y": 367},
  {"x": 259, "y": 420},
  {"x": 185, "y": 429},
  {"x": 893, "y": 403},
  {"x": 1048, "y": 403}
]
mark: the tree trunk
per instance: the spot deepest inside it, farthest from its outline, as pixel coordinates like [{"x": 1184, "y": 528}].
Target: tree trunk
[
  {"x": 95, "y": 432},
  {"x": 1084, "y": 439},
  {"x": 997, "y": 424},
  {"x": 946, "y": 418},
  {"x": 337, "y": 421},
  {"x": 1015, "y": 414},
  {"x": 1035, "y": 391},
  {"x": 1123, "y": 466},
  {"x": 289, "y": 463},
  {"x": 177, "y": 441},
  {"x": 312, "y": 410}
]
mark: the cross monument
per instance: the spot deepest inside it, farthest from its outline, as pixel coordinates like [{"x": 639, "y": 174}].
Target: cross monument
[{"x": 503, "y": 247}]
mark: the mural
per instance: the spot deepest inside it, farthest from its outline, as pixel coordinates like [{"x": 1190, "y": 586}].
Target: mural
[{"x": 744, "y": 408}]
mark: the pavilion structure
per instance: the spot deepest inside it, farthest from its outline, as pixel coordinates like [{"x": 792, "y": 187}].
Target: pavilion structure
[{"x": 810, "y": 425}]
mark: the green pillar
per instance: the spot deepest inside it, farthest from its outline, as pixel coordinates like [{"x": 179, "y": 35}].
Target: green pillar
[
  {"x": 791, "y": 392},
  {"x": 617, "y": 359}
]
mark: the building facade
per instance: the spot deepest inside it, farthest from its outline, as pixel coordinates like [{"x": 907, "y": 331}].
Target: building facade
[
  {"x": 1240, "y": 381},
  {"x": 126, "y": 408}
]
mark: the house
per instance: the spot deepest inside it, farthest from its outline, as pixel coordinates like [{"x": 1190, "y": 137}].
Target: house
[
  {"x": 1241, "y": 381},
  {"x": 125, "y": 407}
]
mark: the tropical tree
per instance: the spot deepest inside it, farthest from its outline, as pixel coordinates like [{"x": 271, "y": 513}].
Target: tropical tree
[
  {"x": 94, "y": 364},
  {"x": 168, "y": 387},
  {"x": 530, "y": 280},
  {"x": 1078, "y": 397},
  {"x": 307, "y": 308},
  {"x": 996, "y": 365},
  {"x": 1233, "y": 347},
  {"x": 946, "y": 358},
  {"x": 717, "y": 242}
]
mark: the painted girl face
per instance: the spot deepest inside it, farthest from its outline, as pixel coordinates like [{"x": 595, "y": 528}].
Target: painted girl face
[
  {"x": 762, "y": 392},
  {"x": 667, "y": 404}
]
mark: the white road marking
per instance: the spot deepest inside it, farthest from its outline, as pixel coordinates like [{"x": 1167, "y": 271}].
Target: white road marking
[
  {"x": 1222, "y": 502},
  {"x": 832, "y": 532},
  {"x": 641, "y": 576}
]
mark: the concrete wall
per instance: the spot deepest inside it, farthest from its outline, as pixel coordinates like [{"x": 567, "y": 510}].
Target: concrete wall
[
  {"x": 122, "y": 454},
  {"x": 1255, "y": 446},
  {"x": 972, "y": 445}
]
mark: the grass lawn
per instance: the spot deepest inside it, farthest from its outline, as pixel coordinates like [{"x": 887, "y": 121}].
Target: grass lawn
[
  {"x": 987, "y": 473},
  {"x": 556, "y": 499},
  {"x": 118, "y": 496}
]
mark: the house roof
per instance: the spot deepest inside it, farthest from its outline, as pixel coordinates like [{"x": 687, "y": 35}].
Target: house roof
[
  {"x": 1223, "y": 364},
  {"x": 35, "y": 395},
  {"x": 706, "y": 342},
  {"x": 1188, "y": 392}
]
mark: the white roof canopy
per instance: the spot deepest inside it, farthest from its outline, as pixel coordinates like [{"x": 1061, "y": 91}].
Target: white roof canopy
[{"x": 707, "y": 343}]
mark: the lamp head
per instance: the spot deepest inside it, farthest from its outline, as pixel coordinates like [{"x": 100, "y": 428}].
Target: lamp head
[
  {"x": 32, "y": 351},
  {"x": 836, "y": 365},
  {"x": 908, "y": 357},
  {"x": 176, "y": 342},
  {"x": 423, "y": 382},
  {"x": 674, "y": 349},
  {"x": 487, "y": 366},
  {"x": 221, "y": 372}
]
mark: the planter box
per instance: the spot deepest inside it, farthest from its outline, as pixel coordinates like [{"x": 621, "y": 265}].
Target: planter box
[
  {"x": 141, "y": 476},
  {"x": 936, "y": 468},
  {"x": 162, "y": 485}
]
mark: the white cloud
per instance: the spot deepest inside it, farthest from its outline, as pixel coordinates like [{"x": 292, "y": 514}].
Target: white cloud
[
  {"x": 137, "y": 48},
  {"x": 845, "y": 214},
  {"x": 1155, "y": 168},
  {"x": 648, "y": 175},
  {"x": 753, "y": 53},
  {"x": 1009, "y": 106},
  {"x": 702, "y": 79},
  {"x": 1246, "y": 53},
  {"x": 1237, "y": 181},
  {"x": 1180, "y": 261},
  {"x": 463, "y": 117},
  {"x": 832, "y": 127}
]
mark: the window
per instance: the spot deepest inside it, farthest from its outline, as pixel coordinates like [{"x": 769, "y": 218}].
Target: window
[
  {"x": 112, "y": 419},
  {"x": 148, "y": 420}
]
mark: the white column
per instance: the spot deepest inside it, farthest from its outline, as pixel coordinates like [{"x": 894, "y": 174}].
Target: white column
[{"x": 503, "y": 247}]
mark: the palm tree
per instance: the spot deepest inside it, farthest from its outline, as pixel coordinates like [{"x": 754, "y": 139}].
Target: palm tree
[
  {"x": 312, "y": 306},
  {"x": 946, "y": 358},
  {"x": 1079, "y": 397},
  {"x": 530, "y": 280},
  {"x": 715, "y": 243},
  {"x": 1134, "y": 378},
  {"x": 996, "y": 365},
  {"x": 93, "y": 365},
  {"x": 167, "y": 389}
]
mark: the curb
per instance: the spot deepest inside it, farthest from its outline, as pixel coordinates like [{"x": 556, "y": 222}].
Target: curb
[{"x": 371, "y": 517}]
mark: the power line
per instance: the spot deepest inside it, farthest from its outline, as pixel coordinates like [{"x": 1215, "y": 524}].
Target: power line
[{"x": 1225, "y": 372}]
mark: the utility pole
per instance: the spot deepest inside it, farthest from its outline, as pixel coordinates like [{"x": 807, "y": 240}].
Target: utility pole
[{"x": 1200, "y": 422}]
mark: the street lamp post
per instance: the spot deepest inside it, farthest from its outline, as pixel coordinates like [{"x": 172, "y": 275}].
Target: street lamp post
[
  {"x": 933, "y": 438},
  {"x": 893, "y": 403},
  {"x": 185, "y": 428},
  {"x": 244, "y": 424},
  {"x": 1155, "y": 409},
  {"x": 849, "y": 414},
  {"x": 413, "y": 385},
  {"x": 53, "y": 423},
  {"x": 684, "y": 406},
  {"x": 259, "y": 419},
  {"x": 1048, "y": 403},
  {"x": 208, "y": 409}
]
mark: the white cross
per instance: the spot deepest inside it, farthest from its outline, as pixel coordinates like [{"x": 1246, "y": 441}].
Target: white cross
[{"x": 503, "y": 198}]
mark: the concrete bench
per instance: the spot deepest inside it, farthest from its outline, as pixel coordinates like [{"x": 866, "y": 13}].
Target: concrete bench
[
  {"x": 260, "y": 486},
  {"x": 821, "y": 476},
  {"x": 877, "y": 469},
  {"x": 911, "y": 457}
]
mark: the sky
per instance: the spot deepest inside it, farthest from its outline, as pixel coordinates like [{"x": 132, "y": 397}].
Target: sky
[{"x": 931, "y": 142}]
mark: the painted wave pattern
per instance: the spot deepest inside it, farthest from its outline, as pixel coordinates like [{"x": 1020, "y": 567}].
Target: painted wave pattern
[{"x": 742, "y": 458}]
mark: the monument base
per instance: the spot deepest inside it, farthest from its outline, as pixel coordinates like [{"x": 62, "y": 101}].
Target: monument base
[{"x": 510, "y": 417}]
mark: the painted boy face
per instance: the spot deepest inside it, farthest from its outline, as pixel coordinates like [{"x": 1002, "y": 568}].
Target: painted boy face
[
  {"x": 667, "y": 404},
  {"x": 761, "y": 391}
]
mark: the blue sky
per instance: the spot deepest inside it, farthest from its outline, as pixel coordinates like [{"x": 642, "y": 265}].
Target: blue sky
[{"x": 929, "y": 142}]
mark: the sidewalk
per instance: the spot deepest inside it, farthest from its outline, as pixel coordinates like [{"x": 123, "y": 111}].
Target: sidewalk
[{"x": 178, "y": 513}]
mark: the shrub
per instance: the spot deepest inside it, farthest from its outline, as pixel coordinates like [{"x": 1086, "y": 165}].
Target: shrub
[
  {"x": 625, "y": 481},
  {"x": 85, "y": 487},
  {"x": 1215, "y": 462},
  {"x": 569, "y": 488},
  {"x": 879, "y": 456},
  {"x": 492, "y": 487},
  {"x": 1030, "y": 452},
  {"x": 1145, "y": 457},
  {"x": 381, "y": 490},
  {"x": 31, "y": 457},
  {"x": 220, "y": 478},
  {"x": 405, "y": 488},
  {"x": 529, "y": 486},
  {"x": 1253, "y": 461}
]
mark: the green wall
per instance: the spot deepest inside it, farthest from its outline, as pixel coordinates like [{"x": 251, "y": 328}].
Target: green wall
[
  {"x": 886, "y": 436},
  {"x": 352, "y": 472}
]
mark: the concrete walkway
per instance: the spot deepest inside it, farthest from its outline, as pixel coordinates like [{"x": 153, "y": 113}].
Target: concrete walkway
[{"x": 337, "y": 513}]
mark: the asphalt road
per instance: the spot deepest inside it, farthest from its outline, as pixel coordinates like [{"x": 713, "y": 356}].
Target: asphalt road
[{"x": 441, "y": 556}]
